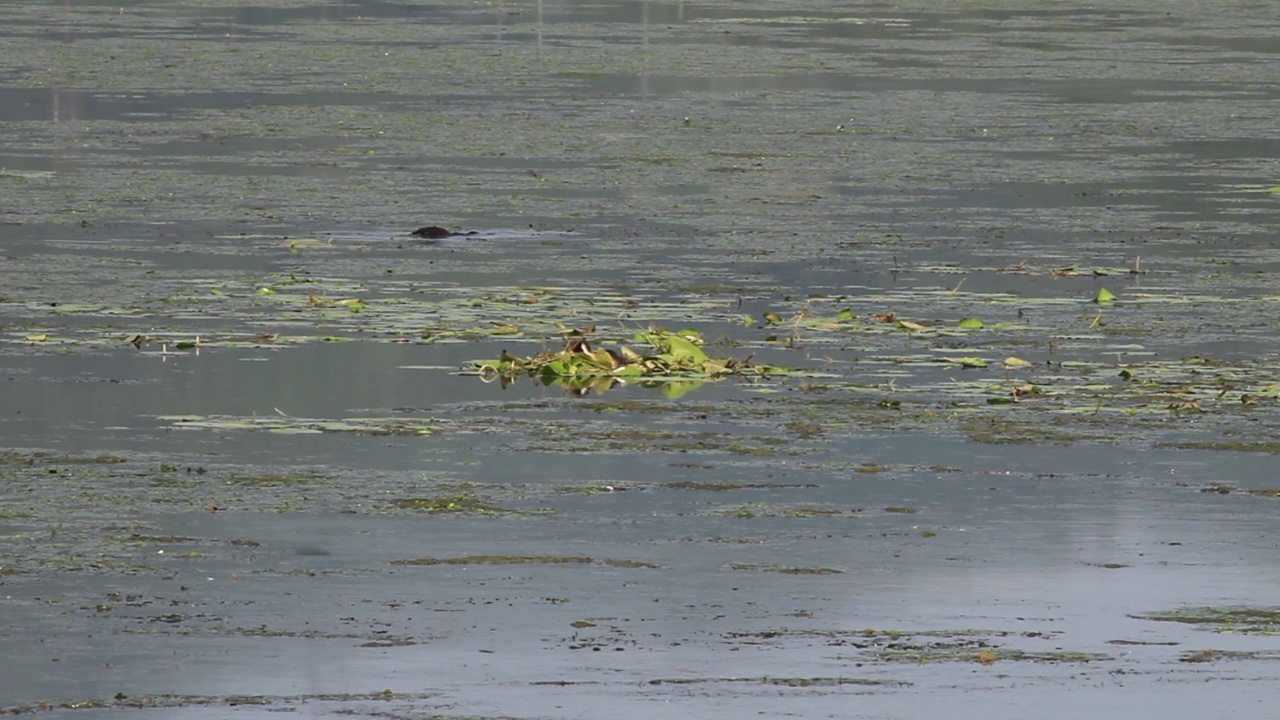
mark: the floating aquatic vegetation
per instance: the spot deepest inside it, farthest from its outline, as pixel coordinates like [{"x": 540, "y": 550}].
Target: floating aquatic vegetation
[
  {"x": 458, "y": 503},
  {"x": 986, "y": 656},
  {"x": 1223, "y": 619},
  {"x": 281, "y": 703},
  {"x": 785, "y": 681},
  {"x": 922, "y": 646},
  {"x": 785, "y": 569},
  {"x": 287, "y": 425},
  {"x": 527, "y": 560},
  {"x": 673, "y": 360},
  {"x": 729, "y": 486},
  {"x": 754, "y": 510}
]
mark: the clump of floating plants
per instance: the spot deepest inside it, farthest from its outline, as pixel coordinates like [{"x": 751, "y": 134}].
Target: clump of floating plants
[{"x": 671, "y": 359}]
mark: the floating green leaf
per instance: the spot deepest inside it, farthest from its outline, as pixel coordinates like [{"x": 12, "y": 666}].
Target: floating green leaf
[{"x": 969, "y": 362}]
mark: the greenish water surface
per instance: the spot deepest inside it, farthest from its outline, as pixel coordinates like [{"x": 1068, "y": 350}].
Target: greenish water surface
[{"x": 1013, "y": 262}]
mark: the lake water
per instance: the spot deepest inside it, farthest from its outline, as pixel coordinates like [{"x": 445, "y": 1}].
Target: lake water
[{"x": 998, "y": 281}]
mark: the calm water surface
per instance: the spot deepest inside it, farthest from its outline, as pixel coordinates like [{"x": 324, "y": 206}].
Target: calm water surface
[{"x": 244, "y": 475}]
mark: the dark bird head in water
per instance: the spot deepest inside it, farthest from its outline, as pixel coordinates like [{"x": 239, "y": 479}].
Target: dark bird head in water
[
  {"x": 431, "y": 232},
  {"x": 435, "y": 232}
]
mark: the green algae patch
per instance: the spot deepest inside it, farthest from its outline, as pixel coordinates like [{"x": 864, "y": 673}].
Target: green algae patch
[
  {"x": 451, "y": 504},
  {"x": 1242, "y": 620}
]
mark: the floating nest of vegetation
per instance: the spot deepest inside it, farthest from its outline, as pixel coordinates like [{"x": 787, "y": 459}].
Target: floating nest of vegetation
[{"x": 673, "y": 360}]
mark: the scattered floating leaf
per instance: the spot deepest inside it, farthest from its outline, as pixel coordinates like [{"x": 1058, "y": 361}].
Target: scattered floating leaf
[{"x": 968, "y": 362}]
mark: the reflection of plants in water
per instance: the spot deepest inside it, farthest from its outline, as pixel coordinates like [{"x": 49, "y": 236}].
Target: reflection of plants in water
[{"x": 673, "y": 361}]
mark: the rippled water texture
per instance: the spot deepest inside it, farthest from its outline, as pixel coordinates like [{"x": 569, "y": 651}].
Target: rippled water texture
[{"x": 992, "y": 284}]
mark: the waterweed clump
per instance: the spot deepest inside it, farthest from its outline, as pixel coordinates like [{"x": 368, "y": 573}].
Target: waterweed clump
[{"x": 672, "y": 359}]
